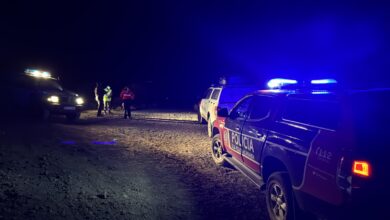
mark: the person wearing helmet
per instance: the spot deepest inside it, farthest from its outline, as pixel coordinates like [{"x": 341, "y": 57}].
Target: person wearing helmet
[
  {"x": 127, "y": 96},
  {"x": 107, "y": 100}
]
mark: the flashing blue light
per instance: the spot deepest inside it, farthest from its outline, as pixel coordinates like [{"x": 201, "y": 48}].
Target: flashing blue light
[
  {"x": 323, "y": 81},
  {"x": 320, "y": 92},
  {"x": 275, "y": 91},
  {"x": 279, "y": 82}
]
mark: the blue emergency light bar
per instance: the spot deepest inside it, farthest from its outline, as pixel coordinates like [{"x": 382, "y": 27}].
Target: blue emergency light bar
[
  {"x": 323, "y": 81},
  {"x": 318, "y": 86},
  {"x": 320, "y": 92},
  {"x": 279, "y": 82}
]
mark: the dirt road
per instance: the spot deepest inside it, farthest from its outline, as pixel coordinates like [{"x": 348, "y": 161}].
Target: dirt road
[{"x": 111, "y": 168}]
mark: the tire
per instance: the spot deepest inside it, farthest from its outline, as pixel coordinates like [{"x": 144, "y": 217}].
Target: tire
[
  {"x": 209, "y": 128},
  {"x": 279, "y": 197},
  {"x": 200, "y": 119},
  {"x": 73, "y": 117},
  {"x": 217, "y": 152}
]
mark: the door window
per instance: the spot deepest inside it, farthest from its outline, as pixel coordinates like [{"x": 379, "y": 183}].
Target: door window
[
  {"x": 240, "y": 111},
  {"x": 261, "y": 107},
  {"x": 208, "y": 93}
]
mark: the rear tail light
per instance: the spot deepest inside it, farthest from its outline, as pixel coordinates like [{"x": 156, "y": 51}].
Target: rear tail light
[{"x": 361, "y": 168}]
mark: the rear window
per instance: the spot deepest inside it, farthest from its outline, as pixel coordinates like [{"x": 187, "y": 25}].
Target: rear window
[{"x": 325, "y": 114}]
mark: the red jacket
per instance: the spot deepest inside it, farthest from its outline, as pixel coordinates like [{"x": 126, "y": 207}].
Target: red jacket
[{"x": 127, "y": 95}]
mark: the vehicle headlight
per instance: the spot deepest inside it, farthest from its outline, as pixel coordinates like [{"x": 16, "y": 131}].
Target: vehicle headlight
[
  {"x": 53, "y": 99},
  {"x": 79, "y": 101}
]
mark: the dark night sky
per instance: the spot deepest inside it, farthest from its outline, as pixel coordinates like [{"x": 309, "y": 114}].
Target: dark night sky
[{"x": 188, "y": 44}]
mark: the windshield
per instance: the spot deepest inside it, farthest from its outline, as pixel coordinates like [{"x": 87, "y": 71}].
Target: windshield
[{"x": 48, "y": 84}]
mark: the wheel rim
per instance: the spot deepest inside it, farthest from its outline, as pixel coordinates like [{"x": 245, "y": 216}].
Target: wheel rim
[
  {"x": 217, "y": 149},
  {"x": 278, "y": 202}
]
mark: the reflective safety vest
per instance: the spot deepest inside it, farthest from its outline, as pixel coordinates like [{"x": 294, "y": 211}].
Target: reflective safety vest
[{"x": 107, "y": 97}]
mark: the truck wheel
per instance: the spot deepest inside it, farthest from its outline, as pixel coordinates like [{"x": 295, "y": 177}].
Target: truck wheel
[
  {"x": 217, "y": 151},
  {"x": 200, "y": 119},
  {"x": 209, "y": 128},
  {"x": 279, "y": 197},
  {"x": 73, "y": 117}
]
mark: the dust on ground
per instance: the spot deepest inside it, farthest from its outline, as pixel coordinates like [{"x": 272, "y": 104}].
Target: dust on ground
[{"x": 111, "y": 168}]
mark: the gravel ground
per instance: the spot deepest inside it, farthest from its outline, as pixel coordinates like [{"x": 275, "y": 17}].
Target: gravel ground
[{"x": 156, "y": 166}]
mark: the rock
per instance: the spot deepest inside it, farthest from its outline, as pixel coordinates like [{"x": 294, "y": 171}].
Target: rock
[
  {"x": 11, "y": 194},
  {"x": 102, "y": 196}
]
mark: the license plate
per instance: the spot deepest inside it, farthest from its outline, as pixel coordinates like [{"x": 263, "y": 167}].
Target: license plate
[{"x": 69, "y": 108}]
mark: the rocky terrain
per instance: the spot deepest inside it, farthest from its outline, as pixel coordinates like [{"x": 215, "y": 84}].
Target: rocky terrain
[{"x": 156, "y": 166}]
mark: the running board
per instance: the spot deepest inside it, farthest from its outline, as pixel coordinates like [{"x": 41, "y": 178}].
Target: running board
[{"x": 254, "y": 177}]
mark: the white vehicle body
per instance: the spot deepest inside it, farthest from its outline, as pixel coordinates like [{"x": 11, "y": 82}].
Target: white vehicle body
[{"x": 219, "y": 97}]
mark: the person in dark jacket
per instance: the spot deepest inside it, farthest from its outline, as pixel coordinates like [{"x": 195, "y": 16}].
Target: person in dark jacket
[
  {"x": 127, "y": 97},
  {"x": 99, "y": 100}
]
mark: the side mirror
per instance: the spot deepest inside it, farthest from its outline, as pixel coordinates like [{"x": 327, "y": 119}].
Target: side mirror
[{"x": 223, "y": 112}]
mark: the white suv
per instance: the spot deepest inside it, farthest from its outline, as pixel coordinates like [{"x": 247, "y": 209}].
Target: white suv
[{"x": 219, "y": 97}]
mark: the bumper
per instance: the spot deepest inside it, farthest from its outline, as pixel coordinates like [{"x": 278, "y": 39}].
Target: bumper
[
  {"x": 361, "y": 204},
  {"x": 64, "y": 109}
]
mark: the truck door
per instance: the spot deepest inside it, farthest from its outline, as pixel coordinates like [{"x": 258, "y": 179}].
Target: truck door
[
  {"x": 213, "y": 104},
  {"x": 234, "y": 124},
  {"x": 255, "y": 131},
  {"x": 204, "y": 105}
]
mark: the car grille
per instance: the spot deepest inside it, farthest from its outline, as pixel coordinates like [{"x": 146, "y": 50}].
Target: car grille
[{"x": 66, "y": 100}]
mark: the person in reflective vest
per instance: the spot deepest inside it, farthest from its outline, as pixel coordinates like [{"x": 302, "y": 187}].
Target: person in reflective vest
[
  {"x": 107, "y": 99},
  {"x": 127, "y": 97}
]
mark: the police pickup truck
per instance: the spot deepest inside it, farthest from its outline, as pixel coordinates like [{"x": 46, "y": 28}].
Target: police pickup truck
[{"x": 311, "y": 151}]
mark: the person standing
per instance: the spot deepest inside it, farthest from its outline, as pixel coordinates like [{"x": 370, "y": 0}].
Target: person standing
[
  {"x": 107, "y": 100},
  {"x": 98, "y": 99},
  {"x": 127, "y": 96}
]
